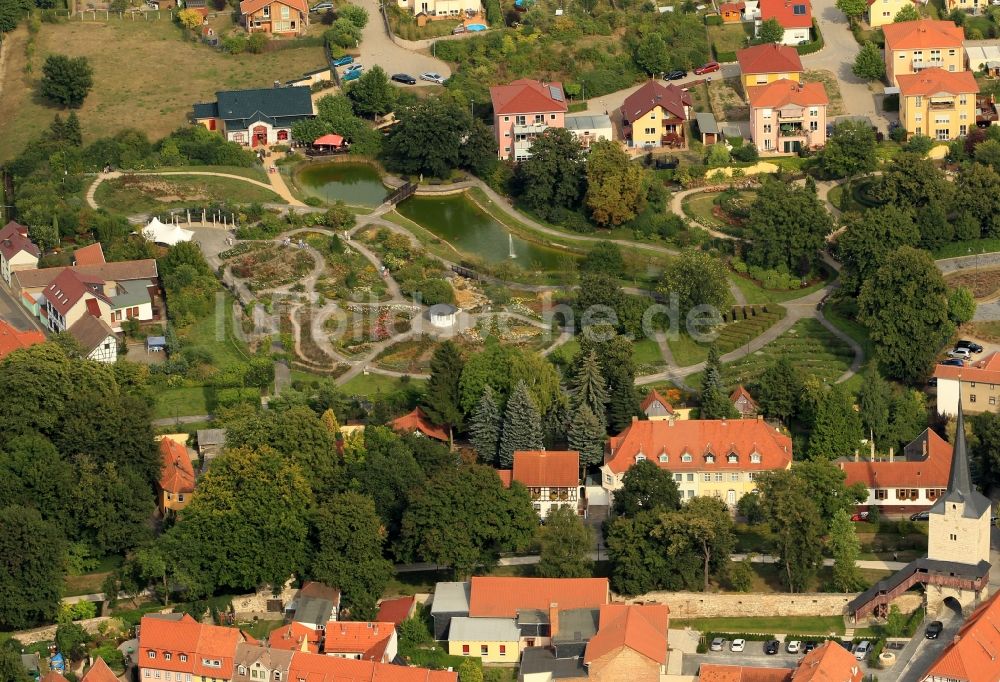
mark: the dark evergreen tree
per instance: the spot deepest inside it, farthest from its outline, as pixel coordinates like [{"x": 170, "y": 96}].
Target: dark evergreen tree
[
  {"x": 712, "y": 378},
  {"x": 780, "y": 390},
  {"x": 874, "y": 402},
  {"x": 586, "y": 435},
  {"x": 623, "y": 406},
  {"x": 72, "y": 132},
  {"x": 522, "y": 426},
  {"x": 485, "y": 427},
  {"x": 556, "y": 424},
  {"x": 837, "y": 431},
  {"x": 589, "y": 388},
  {"x": 442, "y": 400}
]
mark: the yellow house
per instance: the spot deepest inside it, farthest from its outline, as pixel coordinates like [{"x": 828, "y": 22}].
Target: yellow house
[
  {"x": 938, "y": 103},
  {"x": 912, "y": 46},
  {"x": 279, "y": 17},
  {"x": 177, "y": 480},
  {"x": 494, "y": 640},
  {"x": 763, "y": 64},
  {"x": 882, "y": 12},
  {"x": 655, "y": 114}
]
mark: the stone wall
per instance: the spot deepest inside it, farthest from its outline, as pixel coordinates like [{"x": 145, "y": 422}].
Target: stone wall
[
  {"x": 702, "y": 605},
  {"x": 48, "y": 633},
  {"x": 250, "y": 605}
]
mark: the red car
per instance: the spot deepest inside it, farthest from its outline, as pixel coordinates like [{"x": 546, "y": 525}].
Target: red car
[{"x": 707, "y": 68}]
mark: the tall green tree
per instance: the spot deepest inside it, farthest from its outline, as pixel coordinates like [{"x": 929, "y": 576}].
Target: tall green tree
[
  {"x": 436, "y": 135},
  {"x": 714, "y": 400},
  {"x": 501, "y": 367},
  {"x": 31, "y": 568},
  {"x": 985, "y": 450},
  {"x": 845, "y": 548},
  {"x": 603, "y": 258},
  {"x": 565, "y": 545},
  {"x": 652, "y": 54},
  {"x": 850, "y": 150},
  {"x": 11, "y": 668},
  {"x": 837, "y": 429},
  {"x": 870, "y": 238},
  {"x": 66, "y": 80},
  {"x": 485, "y": 427},
  {"x": 874, "y": 402},
  {"x": 443, "y": 398},
  {"x": 586, "y": 435},
  {"x": 372, "y": 93},
  {"x": 908, "y": 412},
  {"x": 615, "y": 187},
  {"x": 697, "y": 279},
  {"x": 904, "y": 305},
  {"x": 770, "y": 31},
  {"x": 868, "y": 63},
  {"x": 825, "y": 483},
  {"x": 961, "y": 305},
  {"x": 912, "y": 182},
  {"x": 646, "y": 487},
  {"x": 797, "y": 529},
  {"x": 780, "y": 389},
  {"x": 349, "y": 540},
  {"x": 614, "y": 351},
  {"x": 464, "y": 518},
  {"x": 588, "y": 388},
  {"x": 906, "y": 13},
  {"x": 787, "y": 226},
  {"x": 977, "y": 194},
  {"x": 702, "y": 526},
  {"x": 854, "y": 9},
  {"x": 522, "y": 426},
  {"x": 554, "y": 176},
  {"x": 641, "y": 562},
  {"x": 387, "y": 473}
]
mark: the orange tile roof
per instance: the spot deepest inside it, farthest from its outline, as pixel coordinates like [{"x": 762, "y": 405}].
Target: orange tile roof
[
  {"x": 417, "y": 421},
  {"x": 986, "y": 371},
  {"x": 654, "y": 397},
  {"x": 295, "y": 637},
  {"x": 784, "y": 12},
  {"x": 828, "y": 663},
  {"x": 178, "y": 474},
  {"x": 769, "y": 58},
  {"x": 499, "y": 597},
  {"x": 783, "y": 92},
  {"x": 740, "y": 392},
  {"x": 92, "y": 254},
  {"x": 318, "y": 668},
  {"x": 506, "y": 477},
  {"x": 699, "y": 437},
  {"x": 250, "y": 6},
  {"x": 972, "y": 655},
  {"x": 187, "y": 636},
  {"x": 12, "y": 339},
  {"x": 712, "y": 672},
  {"x": 642, "y": 628},
  {"x": 921, "y": 34},
  {"x": 370, "y": 639},
  {"x": 99, "y": 672},
  {"x": 547, "y": 468},
  {"x": 526, "y": 96},
  {"x": 934, "y": 81},
  {"x": 53, "y": 676},
  {"x": 931, "y": 472},
  {"x": 395, "y": 610}
]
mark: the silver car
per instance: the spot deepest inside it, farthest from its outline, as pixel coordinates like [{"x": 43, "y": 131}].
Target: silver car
[{"x": 432, "y": 77}]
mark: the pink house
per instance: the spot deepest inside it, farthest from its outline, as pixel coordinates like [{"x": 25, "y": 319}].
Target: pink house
[
  {"x": 522, "y": 110},
  {"x": 786, "y": 116}
]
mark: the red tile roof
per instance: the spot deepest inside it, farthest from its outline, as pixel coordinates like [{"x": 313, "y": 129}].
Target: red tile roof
[
  {"x": 697, "y": 438},
  {"x": 828, "y": 663},
  {"x": 783, "y": 92},
  {"x": 99, "y": 672},
  {"x": 769, "y": 58},
  {"x": 935, "y": 81},
  {"x": 53, "y": 676},
  {"x": 12, "y": 339},
  {"x": 499, "y": 597},
  {"x": 396, "y": 610},
  {"x": 177, "y": 475},
  {"x": 642, "y": 628},
  {"x": 69, "y": 287},
  {"x": 506, "y": 477},
  {"x": 293, "y": 636},
  {"x": 370, "y": 639},
  {"x": 248, "y": 7},
  {"x": 741, "y": 392},
  {"x": 418, "y": 421},
  {"x": 785, "y": 12},
  {"x": 92, "y": 254},
  {"x": 972, "y": 655},
  {"x": 732, "y": 7},
  {"x": 931, "y": 472},
  {"x": 654, "y": 397},
  {"x": 187, "y": 636},
  {"x": 652, "y": 93},
  {"x": 526, "y": 96},
  {"x": 318, "y": 668},
  {"x": 986, "y": 371},
  {"x": 712, "y": 672},
  {"x": 14, "y": 239},
  {"x": 547, "y": 468},
  {"x": 922, "y": 34}
]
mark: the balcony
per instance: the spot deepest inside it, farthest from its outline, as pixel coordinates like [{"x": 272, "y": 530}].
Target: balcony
[
  {"x": 791, "y": 131},
  {"x": 945, "y": 105},
  {"x": 920, "y": 64},
  {"x": 530, "y": 128}
]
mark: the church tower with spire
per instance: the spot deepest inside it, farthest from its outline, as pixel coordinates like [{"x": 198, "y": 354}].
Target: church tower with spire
[{"x": 960, "y": 520}]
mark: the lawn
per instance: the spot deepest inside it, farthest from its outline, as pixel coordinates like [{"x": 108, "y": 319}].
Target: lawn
[
  {"x": 968, "y": 248},
  {"x": 646, "y": 353},
  {"x": 362, "y": 385},
  {"x": 799, "y": 625},
  {"x": 731, "y": 336},
  {"x": 987, "y": 331},
  {"x": 90, "y": 583},
  {"x": 161, "y": 89},
  {"x": 754, "y": 293},
  {"x": 180, "y": 402},
  {"x": 729, "y": 37},
  {"x": 842, "y": 313},
  {"x": 132, "y": 194},
  {"x": 700, "y": 207}
]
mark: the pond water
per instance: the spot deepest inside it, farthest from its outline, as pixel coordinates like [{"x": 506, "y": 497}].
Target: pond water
[
  {"x": 357, "y": 184},
  {"x": 471, "y": 230}
]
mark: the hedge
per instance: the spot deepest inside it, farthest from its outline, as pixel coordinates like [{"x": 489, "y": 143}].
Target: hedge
[
  {"x": 814, "y": 46},
  {"x": 723, "y": 57}
]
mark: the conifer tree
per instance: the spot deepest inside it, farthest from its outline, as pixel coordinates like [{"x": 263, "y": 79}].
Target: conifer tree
[
  {"x": 72, "y": 132},
  {"x": 589, "y": 387},
  {"x": 623, "y": 406},
  {"x": 874, "y": 401},
  {"x": 522, "y": 426},
  {"x": 442, "y": 400},
  {"x": 485, "y": 427},
  {"x": 837, "y": 430},
  {"x": 714, "y": 401},
  {"x": 586, "y": 435}
]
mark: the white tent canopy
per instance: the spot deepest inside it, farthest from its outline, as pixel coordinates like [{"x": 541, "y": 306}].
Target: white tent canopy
[{"x": 166, "y": 234}]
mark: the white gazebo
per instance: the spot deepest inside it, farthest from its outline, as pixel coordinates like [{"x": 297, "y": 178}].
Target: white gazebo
[
  {"x": 443, "y": 315},
  {"x": 169, "y": 235}
]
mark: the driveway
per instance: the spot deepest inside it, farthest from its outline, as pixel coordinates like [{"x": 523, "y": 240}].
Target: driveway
[
  {"x": 914, "y": 660},
  {"x": 14, "y": 313},
  {"x": 377, "y": 48}
]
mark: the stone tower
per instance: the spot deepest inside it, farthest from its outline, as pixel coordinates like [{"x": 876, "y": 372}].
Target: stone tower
[{"x": 960, "y": 520}]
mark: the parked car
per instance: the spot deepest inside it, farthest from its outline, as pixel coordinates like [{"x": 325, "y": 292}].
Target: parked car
[
  {"x": 962, "y": 353},
  {"x": 793, "y": 647},
  {"x": 954, "y": 362},
  {"x": 351, "y": 76},
  {"x": 432, "y": 77},
  {"x": 921, "y": 516},
  {"x": 676, "y": 74},
  {"x": 322, "y": 7},
  {"x": 404, "y": 78},
  {"x": 772, "y": 647},
  {"x": 717, "y": 644},
  {"x": 738, "y": 645},
  {"x": 848, "y": 645},
  {"x": 354, "y": 67},
  {"x": 708, "y": 67},
  {"x": 344, "y": 61},
  {"x": 865, "y": 648},
  {"x": 971, "y": 346},
  {"x": 860, "y": 516},
  {"x": 809, "y": 646},
  {"x": 934, "y": 629}
]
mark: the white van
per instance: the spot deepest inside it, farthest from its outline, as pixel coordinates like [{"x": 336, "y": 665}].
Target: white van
[{"x": 865, "y": 648}]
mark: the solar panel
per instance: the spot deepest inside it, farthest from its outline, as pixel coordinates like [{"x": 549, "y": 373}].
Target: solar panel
[{"x": 556, "y": 93}]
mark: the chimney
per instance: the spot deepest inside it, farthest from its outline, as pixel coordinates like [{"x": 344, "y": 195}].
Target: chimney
[
  {"x": 553, "y": 619},
  {"x": 871, "y": 442},
  {"x": 723, "y": 421},
  {"x": 857, "y": 455},
  {"x": 760, "y": 418},
  {"x": 635, "y": 418},
  {"x": 923, "y": 445},
  {"x": 892, "y": 454}
]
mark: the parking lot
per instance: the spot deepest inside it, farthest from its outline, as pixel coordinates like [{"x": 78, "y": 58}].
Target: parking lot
[{"x": 752, "y": 655}]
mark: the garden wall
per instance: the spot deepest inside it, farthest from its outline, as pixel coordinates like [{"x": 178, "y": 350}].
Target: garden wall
[
  {"x": 48, "y": 633},
  {"x": 742, "y": 605}
]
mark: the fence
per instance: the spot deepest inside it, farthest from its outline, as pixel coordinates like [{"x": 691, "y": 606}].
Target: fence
[{"x": 403, "y": 192}]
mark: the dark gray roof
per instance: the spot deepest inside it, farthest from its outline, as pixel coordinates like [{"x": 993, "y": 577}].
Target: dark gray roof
[
  {"x": 91, "y": 332},
  {"x": 960, "y": 488},
  {"x": 464, "y": 629},
  {"x": 451, "y": 598},
  {"x": 31, "y": 662},
  {"x": 242, "y": 107},
  {"x": 540, "y": 660},
  {"x": 206, "y": 110},
  {"x": 923, "y": 565},
  {"x": 532, "y": 616},
  {"x": 706, "y": 122},
  {"x": 211, "y": 436},
  {"x": 316, "y": 610},
  {"x": 577, "y": 625}
]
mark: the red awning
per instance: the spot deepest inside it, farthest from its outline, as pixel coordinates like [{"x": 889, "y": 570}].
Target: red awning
[{"x": 332, "y": 140}]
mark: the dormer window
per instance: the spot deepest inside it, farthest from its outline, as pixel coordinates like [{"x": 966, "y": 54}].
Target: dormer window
[
  {"x": 152, "y": 654},
  {"x": 184, "y": 658},
  {"x": 640, "y": 457},
  {"x": 732, "y": 458},
  {"x": 166, "y": 655},
  {"x": 664, "y": 458},
  {"x": 243, "y": 670},
  {"x": 709, "y": 459},
  {"x": 755, "y": 458},
  {"x": 686, "y": 457}
]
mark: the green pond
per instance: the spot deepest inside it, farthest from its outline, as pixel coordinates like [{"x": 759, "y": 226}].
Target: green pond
[
  {"x": 357, "y": 184},
  {"x": 471, "y": 230}
]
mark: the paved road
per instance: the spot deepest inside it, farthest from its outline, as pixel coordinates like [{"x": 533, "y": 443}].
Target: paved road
[
  {"x": 189, "y": 419},
  {"x": 377, "y": 48},
  {"x": 12, "y": 312},
  {"x": 914, "y": 660}
]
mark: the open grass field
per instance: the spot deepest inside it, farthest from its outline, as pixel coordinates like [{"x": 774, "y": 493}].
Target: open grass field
[
  {"x": 146, "y": 76},
  {"x": 987, "y": 331},
  {"x": 132, "y": 194},
  {"x": 754, "y": 293},
  {"x": 687, "y": 351},
  {"x": 730, "y": 37},
  {"x": 374, "y": 383},
  {"x": 180, "y": 402},
  {"x": 968, "y": 248}
]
